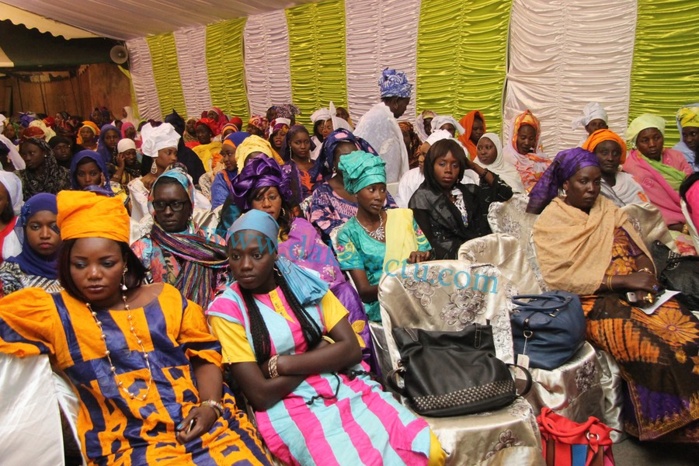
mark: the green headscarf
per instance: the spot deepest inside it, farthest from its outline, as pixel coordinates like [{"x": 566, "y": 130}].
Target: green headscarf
[{"x": 361, "y": 169}]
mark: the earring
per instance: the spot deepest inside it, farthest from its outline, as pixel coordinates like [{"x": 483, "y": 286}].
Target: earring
[
  {"x": 563, "y": 194},
  {"x": 123, "y": 279},
  {"x": 154, "y": 169},
  {"x": 283, "y": 212}
]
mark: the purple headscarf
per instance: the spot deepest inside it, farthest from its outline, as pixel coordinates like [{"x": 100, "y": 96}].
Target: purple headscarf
[
  {"x": 91, "y": 155},
  {"x": 29, "y": 260},
  {"x": 326, "y": 160},
  {"x": 102, "y": 148},
  {"x": 566, "y": 164},
  {"x": 260, "y": 172}
]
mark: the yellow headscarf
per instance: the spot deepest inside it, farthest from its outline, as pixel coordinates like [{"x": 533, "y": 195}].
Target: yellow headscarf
[
  {"x": 688, "y": 117},
  {"x": 252, "y": 144},
  {"x": 645, "y": 121},
  {"x": 84, "y": 214},
  {"x": 92, "y": 126}
]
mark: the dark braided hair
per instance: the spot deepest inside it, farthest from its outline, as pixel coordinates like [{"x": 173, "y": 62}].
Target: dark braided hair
[{"x": 259, "y": 331}]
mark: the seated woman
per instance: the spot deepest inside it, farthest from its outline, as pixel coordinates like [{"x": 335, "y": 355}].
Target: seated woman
[
  {"x": 37, "y": 264},
  {"x": 296, "y": 152},
  {"x": 449, "y": 212},
  {"x": 10, "y": 205},
  {"x": 525, "y": 152},
  {"x": 263, "y": 186},
  {"x": 375, "y": 240},
  {"x": 208, "y": 150},
  {"x": 490, "y": 157},
  {"x": 423, "y": 124},
  {"x": 448, "y": 123},
  {"x": 330, "y": 205},
  {"x": 280, "y": 127},
  {"x": 139, "y": 357},
  {"x": 474, "y": 128},
  {"x": 107, "y": 144},
  {"x": 88, "y": 135},
  {"x": 290, "y": 346},
  {"x": 222, "y": 186},
  {"x": 176, "y": 251},
  {"x": 62, "y": 148},
  {"x": 586, "y": 245},
  {"x": 89, "y": 169},
  {"x": 688, "y": 126},
  {"x": 42, "y": 173},
  {"x": 659, "y": 171},
  {"x": 258, "y": 126},
  {"x": 594, "y": 117},
  {"x": 617, "y": 186},
  {"x": 126, "y": 166}
]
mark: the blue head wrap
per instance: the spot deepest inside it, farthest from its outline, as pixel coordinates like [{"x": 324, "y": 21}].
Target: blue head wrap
[
  {"x": 258, "y": 221},
  {"x": 95, "y": 157},
  {"x": 394, "y": 84}
]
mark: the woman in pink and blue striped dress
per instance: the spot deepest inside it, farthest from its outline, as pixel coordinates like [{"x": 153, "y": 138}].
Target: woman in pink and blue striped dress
[{"x": 294, "y": 354}]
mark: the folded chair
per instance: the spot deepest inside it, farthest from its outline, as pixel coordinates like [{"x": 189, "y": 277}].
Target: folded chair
[{"x": 416, "y": 297}]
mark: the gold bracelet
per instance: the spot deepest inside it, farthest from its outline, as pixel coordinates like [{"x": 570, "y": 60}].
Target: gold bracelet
[
  {"x": 215, "y": 405},
  {"x": 646, "y": 270},
  {"x": 272, "y": 367},
  {"x": 609, "y": 283}
]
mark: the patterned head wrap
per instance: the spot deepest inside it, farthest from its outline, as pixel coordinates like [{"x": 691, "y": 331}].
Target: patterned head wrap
[
  {"x": 591, "y": 111},
  {"x": 259, "y": 122},
  {"x": 287, "y": 111},
  {"x": 238, "y": 122},
  {"x": 394, "y": 83},
  {"x": 33, "y": 132},
  {"x": 645, "y": 121},
  {"x": 158, "y": 137},
  {"x": 361, "y": 169},
  {"x": 231, "y": 126},
  {"x": 326, "y": 160},
  {"x": 688, "y": 117},
  {"x": 48, "y": 132},
  {"x": 602, "y": 135},
  {"x": 235, "y": 139},
  {"x": 526, "y": 118},
  {"x": 83, "y": 214},
  {"x": 91, "y": 126},
  {"x": 566, "y": 164},
  {"x": 178, "y": 173},
  {"x": 256, "y": 220},
  {"x": 260, "y": 173}
]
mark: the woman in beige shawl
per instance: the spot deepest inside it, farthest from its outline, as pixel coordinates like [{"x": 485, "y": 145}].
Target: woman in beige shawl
[{"x": 586, "y": 245}]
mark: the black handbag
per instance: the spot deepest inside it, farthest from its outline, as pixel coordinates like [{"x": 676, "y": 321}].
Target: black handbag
[
  {"x": 679, "y": 273},
  {"x": 549, "y": 328},
  {"x": 452, "y": 373}
]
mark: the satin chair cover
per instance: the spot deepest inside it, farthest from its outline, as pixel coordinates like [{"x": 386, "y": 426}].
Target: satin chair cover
[
  {"x": 692, "y": 227},
  {"x": 649, "y": 223},
  {"x": 503, "y": 437},
  {"x": 31, "y": 396},
  {"x": 587, "y": 385}
]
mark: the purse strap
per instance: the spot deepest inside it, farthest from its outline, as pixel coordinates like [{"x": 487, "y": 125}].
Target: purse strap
[
  {"x": 527, "y": 377},
  {"x": 550, "y": 302},
  {"x": 392, "y": 382}
]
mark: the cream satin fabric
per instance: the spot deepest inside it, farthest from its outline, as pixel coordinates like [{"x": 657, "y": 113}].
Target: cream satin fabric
[
  {"x": 30, "y": 422},
  {"x": 503, "y": 437},
  {"x": 563, "y": 57},
  {"x": 191, "y": 49}
]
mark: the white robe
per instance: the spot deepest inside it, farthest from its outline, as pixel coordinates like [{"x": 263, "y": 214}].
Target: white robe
[{"x": 379, "y": 128}]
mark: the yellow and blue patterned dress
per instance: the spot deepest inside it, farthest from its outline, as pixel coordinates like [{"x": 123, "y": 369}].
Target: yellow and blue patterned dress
[{"x": 112, "y": 427}]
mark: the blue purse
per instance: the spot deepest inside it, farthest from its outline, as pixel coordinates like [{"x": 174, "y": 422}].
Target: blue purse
[{"x": 548, "y": 328}]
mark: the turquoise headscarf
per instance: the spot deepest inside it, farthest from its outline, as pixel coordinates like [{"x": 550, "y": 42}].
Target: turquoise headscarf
[
  {"x": 306, "y": 284},
  {"x": 361, "y": 169}
]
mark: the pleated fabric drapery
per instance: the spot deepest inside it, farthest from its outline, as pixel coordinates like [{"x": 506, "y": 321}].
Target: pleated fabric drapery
[
  {"x": 226, "y": 66},
  {"x": 461, "y": 52},
  {"x": 267, "y": 72},
  {"x": 191, "y": 50},
  {"x": 143, "y": 79},
  {"x": 563, "y": 55},
  {"x": 377, "y": 38},
  {"x": 166, "y": 73},
  {"x": 317, "y": 56}
]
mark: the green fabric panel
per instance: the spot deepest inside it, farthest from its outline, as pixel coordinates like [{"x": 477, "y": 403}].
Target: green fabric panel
[
  {"x": 461, "y": 58},
  {"x": 317, "y": 56},
  {"x": 225, "y": 65},
  {"x": 163, "y": 54},
  {"x": 665, "y": 69}
]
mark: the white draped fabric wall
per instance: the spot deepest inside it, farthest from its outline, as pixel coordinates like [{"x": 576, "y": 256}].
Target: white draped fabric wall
[
  {"x": 191, "y": 51},
  {"x": 267, "y": 73},
  {"x": 379, "y": 35},
  {"x": 563, "y": 55},
  {"x": 143, "y": 79}
]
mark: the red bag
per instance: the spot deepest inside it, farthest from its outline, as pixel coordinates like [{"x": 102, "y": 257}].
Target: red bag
[{"x": 567, "y": 443}]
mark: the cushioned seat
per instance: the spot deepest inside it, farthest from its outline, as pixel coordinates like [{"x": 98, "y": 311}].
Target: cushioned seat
[{"x": 447, "y": 296}]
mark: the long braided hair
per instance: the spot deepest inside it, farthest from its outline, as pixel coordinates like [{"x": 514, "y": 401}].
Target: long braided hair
[{"x": 260, "y": 333}]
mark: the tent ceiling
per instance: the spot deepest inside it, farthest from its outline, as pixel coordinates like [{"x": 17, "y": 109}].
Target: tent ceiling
[{"x": 129, "y": 19}]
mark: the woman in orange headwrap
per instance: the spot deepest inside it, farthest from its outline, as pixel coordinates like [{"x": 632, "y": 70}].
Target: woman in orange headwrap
[
  {"x": 474, "y": 127},
  {"x": 87, "y": 135},
  {"x": 133, "y": 370},
  {"x": 525, "y": 151}
]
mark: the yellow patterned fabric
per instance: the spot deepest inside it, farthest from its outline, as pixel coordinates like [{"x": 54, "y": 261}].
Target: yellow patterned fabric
[
  {"x": 113, "y": 428},
  {"x": 163, "y": 52}
]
